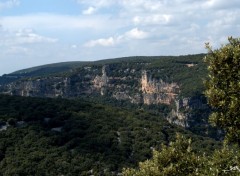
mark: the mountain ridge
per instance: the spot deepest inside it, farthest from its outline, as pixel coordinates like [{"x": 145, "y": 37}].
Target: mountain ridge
[{"x": 176, "y": 81}]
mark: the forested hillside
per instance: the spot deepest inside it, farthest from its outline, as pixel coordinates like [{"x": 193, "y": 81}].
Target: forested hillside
[
  {"x": 169, "y": 85},
  {"x": 42, "y": 136},
  {"x": 222, "y": 91}
]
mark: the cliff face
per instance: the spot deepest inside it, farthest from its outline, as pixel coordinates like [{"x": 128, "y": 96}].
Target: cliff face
[
  {"x": 37, "y": 88},
  {"x": 52, "y": 87},
  {"x": 157, "y": 91},
  {"x": 101, "y": 82},
  {"x": 135, "y": 86}
]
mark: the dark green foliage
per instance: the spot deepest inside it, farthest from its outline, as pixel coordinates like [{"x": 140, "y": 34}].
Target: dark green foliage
[
  {"x": 178, "y": 159},
  {"x": 75, "y": 137},
  {"x": 5, "y": 79},
  {"x": 12, "y": 122},
  {"x": 223, "y": 88},
  {"x": 40, "y": 71},
  {"x": 49, "y": 69},
  {"x": 188, "y": 71}
]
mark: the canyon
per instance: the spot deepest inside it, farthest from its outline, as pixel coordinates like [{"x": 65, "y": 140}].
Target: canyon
[{"x": 139, "y": 82}]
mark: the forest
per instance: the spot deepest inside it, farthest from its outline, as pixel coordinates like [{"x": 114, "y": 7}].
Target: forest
[
  {"x": 98, "y": 135},
  {"x": 68, "y": 137}
]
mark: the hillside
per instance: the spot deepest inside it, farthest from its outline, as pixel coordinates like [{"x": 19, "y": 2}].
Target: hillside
[
  {"x": 49, "y": 68},
  {"x": 76, "y": 137},
  {"x": 43, "y": 70},
  {"x": 146, "y": 62},
  {"x": 167, "y": 85}
]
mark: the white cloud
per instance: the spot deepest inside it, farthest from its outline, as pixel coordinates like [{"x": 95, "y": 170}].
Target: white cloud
[
  {"x": 136, "y": 34},
  {"x": 27, "y": 36},
  {"x": 9, "y": 4},
  {"x": 55, "y": 22},
  {"x": 94, "y": 6},
  {"x": 89, "y": 11},
  {"x": 221, "y": 4},
  {"x": 14, "y": 50},
  {"x": 101, "y": 42},
  {"x": 23, "y": 36},
  {"x": 142, "y": 5},
  {"x": 155, "y": 19},
  {"x": 129, "y": 27},
  {"x": 20, "y": 42},
  {"x": 134, "y": 5},
  {"x": 98, "y": 3}
]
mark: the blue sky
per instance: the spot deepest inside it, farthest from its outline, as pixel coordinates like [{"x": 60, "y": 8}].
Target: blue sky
[{"x": 47, "y": 31}]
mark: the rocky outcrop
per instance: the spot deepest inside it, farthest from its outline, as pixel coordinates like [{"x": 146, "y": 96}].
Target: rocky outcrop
[
  {"x": 37, "y": 87},
  {"x": 52, "y": 87},
  {"x": 101, "y": 82},
  {"x": 157, "y": 91},
  {"x": 178, "y": 118},
  {"x": 180, "y": 114},
  {"x": 144, "y": 90},
  {"x": 186, "y": 111},
  {"x": 127, "y": 84},
  {"x": 136, "y": 98}
]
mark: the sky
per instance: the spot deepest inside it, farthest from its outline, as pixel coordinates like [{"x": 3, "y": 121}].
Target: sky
[{"x": 39, "y": 32}]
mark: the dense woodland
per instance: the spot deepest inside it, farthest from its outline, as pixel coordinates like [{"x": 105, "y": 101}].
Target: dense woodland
[
  {"x": 92, "y": 135},
  {"x": 222, "y": 92},
  {"x": 77, "y": 137}
]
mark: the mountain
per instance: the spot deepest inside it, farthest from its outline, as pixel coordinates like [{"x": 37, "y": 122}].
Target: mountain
[
  {"x": 45, "y": 136},
  {"x": 43, "y": 70},
  {"x": 168, "y": 85}
]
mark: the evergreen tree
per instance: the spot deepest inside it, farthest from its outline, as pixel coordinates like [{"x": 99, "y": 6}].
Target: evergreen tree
[
  {"x": 223, "y": 87},
  {"x": 223, "y": 93},
  {"x": 179, "y": 160}
]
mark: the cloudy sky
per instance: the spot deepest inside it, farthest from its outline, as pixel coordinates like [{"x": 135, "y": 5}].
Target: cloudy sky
[{"x": 48, "y": 31}]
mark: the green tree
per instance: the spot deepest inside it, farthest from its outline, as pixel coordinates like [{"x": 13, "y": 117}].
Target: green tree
[
  {"x": 223, "y": 87},
  {"x": 223, "y": 93},
  {"x": 174, "y": 160},
  {"x": 179, "y": 160},
  {"x": 12, "y": 121}
]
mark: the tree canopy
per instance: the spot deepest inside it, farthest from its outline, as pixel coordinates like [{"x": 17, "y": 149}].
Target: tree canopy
[
  {"x": 223, "y": 93},
  {"x": 179, "y": 160},
  {"x": 223, "y": 87}
]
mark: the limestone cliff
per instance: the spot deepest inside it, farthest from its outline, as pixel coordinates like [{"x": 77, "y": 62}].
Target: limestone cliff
[
  {"x": 129, "y": 84},
  {"x": 135, "y": 89},
  {"x": 101, "y": 82},
  {"x": 189, "y": 112},
  {"x": 157, "y": 91}
]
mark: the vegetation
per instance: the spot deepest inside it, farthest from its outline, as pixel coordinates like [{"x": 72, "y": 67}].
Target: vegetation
[
  {"x": 76, "y": 137},
  {"x": 40, "y": 71},
  {"x": 124, "y": 77},
  {"x": 49, "y": 69},
  {"x": 223, "y": 88},
  {"x": 166, "y": 68},
  {"x": 178, "y": 159},
  {"x": 178, "y": 69},
  {"x": 79, "y": 137}
]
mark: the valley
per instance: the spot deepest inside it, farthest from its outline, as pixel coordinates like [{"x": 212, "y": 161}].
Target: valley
[
  {"x": 173, "y": 83},
  {"x": 114, "y": 112}
]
